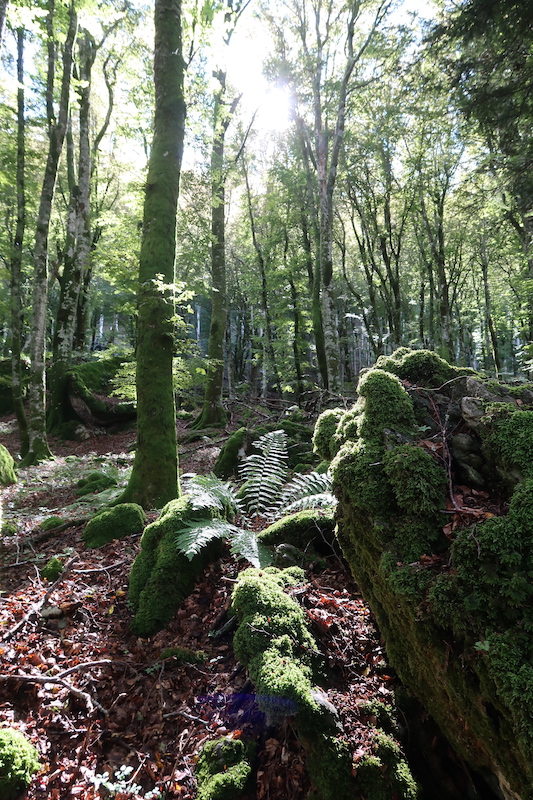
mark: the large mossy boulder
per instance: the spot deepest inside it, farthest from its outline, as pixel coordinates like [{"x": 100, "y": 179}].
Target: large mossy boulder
[
  {"x": 447, "y": 573},
  {"x": 19, "y": 760},
  {"x": 162, "y": 576},
  {"x": 224, "y": 769},
  {"x": 8, "y": 476},
  {"x": 122, "y": 520}
]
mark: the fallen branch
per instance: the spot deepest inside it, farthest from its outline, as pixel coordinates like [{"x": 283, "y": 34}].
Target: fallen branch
[
  {"x": 37, "y": 606},
  {"x": 99, "y": 569},
  {"x": 58, "y": 679}
]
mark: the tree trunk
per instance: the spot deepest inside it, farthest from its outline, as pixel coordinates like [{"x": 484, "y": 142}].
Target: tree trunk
[
  {"x": 16, "y": 258},
  {"x": 38, "y": 445},
  {"x": 77, "y": 249},
  {"x": 3, "y": 10},
  {"x": 489, "y": 321},
  {"x": 154, "y": 479}
]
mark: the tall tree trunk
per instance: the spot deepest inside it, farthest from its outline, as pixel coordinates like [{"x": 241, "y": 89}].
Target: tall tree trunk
[
  {"x": 78, "y": 247},
  {"x": 489, "y": 320},
  {"x": 154, "y": 478},
  {"x": 212, "y": 410},
  {"x": 3, "y": 10},
  {"x": 16, "y": 258},
  {"x": 38, "y": 445}
]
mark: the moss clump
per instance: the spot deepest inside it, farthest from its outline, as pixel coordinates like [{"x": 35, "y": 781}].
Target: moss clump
[
  {"x": 357, "y": 469},
  {"x": 231, "y": 454},
  {"x": 384, "y": 774},
  {"x": 161, "y": 577},
  {"x": 184, "y": 654},
  {"x": 115, "y": 523},
  {"x": 224, "y": 769},
  {"x": 9, "y": 529},
  {"x": 8, "y": 476},
  {"x": 300, "y": 529},
  {"x": 52, "y": 569},
  {"x": 386, "y": 406},
  {"x": 324, "y": 442},
  {"x": 423, "y": 367},
  {"x": 95, "y": 482},
  {"x": 511, "y": 436},
  {"x": 417, "y": 480},
  {"x": 19, "y": 760},
  {"x": 50, "y": 523}
]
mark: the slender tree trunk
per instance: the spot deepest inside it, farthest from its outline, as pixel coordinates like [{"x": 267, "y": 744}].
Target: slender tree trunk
[
  {"x": 489, "y": 321},
  {"x": 3, "y": 10},
  {"x": 38, "y": 445},
  {"x": 16, "y": 258},
  {"x": 213, "y": 413},
  {"x": 154, "y": 478},
  {"x": 77, "y": 250}
]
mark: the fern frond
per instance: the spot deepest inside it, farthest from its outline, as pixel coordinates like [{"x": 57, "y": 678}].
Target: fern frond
[
  {"x": 265, "y": 472},
  {"x": 307, "y": 491},
  {"x": 244, "y": 544},
  {"x": 208, "y": 491},
  {"x": 195, "y": 535}
]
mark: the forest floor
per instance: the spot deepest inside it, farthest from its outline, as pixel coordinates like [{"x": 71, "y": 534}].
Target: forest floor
[{"x": 92, "y": 697}]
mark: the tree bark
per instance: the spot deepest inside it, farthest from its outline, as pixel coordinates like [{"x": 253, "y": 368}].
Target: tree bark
[
  {"x": 16, "y": 258},
  {"x": 3, "y": 10},
  {"x": 78, "y": 246},
  {"x": 38, "y": 445},
  {"x": 154, "y": 478}
]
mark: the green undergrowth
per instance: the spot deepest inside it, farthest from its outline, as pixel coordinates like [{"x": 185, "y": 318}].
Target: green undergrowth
[
  {"x": 8, "y": 475},
  {"x": 456, "y": 616}
]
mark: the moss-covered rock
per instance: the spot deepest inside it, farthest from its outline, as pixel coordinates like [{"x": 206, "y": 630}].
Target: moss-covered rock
[
  {"x": 8, "y": 476},
  {"x": 224, "y": 769},
  {"x": 184, "y": 654},
  {"x": 50, "y": 523},
  {"x": 454, "y": 610},
  {"x": 52, "y": 569},
  {"x": 114, "y": 523},
  {"x": 231, "y": 455},
  {"x": 324, "y": 442},
  {"x": 274, "y": 642},
  {"x": 19, "y": 760},
  {"x": 312, "y": 526},
  {"x": 161, "y": 577},
  {"x": 95, "y": 482}
]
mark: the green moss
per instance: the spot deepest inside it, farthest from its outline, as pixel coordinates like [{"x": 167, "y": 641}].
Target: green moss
[
  {"x": 184, "y": 654},
  {"x": 50, "y": 523},
  {"x": 417, "y": 480},
  {"x": 52, "y": 569},
  {"x": 8, "y": 476},
  {"x": 384, "y": 774},
  {"x": 329, "y": 764},
  {"x": 95, "y": 482},
  {"x": 224, "y": 769},
  {"x": 19, "y": 760},
  {"x": 9, "y": 529},
  {"x": 386, "y": 405},
  {"x": 324, "y": 442},
  {"x": 300, "y": 529},
  {"x": 422, "y": 367},
  {"x": 231, "y": 454},
  {"x": 511, "y": 435},
  {"x": 122, "y": 520},
  {"x": 358, "y": 470},
  {"x": 161, "y": 577}
]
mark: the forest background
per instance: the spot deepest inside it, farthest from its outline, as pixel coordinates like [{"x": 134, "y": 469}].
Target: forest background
[{"x": 370, "y": 189}]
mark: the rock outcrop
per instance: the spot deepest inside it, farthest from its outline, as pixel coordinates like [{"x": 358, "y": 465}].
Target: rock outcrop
[{"x": 433, "y": 468}]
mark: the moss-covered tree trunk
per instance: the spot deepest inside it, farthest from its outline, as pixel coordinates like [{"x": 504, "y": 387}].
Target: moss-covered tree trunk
[
  {"x": 154, "y": 479},
  {"x": 16, "y": 258},
  {"x": 57, "y": 126}
]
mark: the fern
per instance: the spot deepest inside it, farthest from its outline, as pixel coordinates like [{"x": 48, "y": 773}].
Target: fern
[
  {"x": 243, "y": 544},
  {"x": 196, "y": 534},
  {"x": 206, "y": 491},
  {"x": 307, "y": 491},
  {"x": 265, "y": 473}
]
